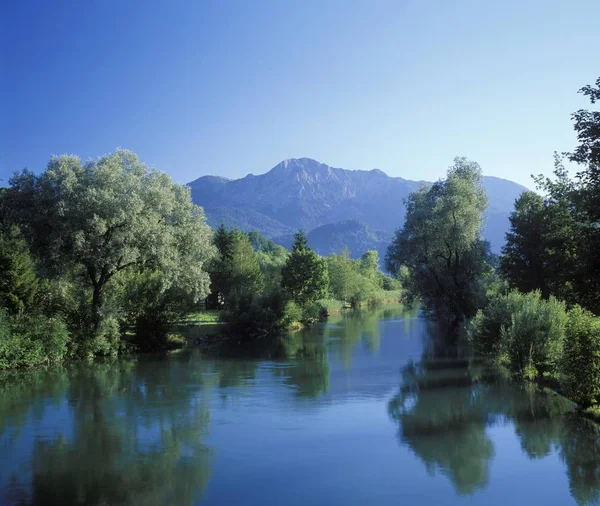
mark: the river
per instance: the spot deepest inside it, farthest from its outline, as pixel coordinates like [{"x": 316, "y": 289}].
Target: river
[{"x": 364, "y": 409}]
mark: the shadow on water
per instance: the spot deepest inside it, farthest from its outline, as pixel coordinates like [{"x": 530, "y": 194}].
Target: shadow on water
[{"x": 446, "y": 403}]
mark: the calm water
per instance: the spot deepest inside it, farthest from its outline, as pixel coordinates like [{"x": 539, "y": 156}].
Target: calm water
[{"x": 361, "y": 410}]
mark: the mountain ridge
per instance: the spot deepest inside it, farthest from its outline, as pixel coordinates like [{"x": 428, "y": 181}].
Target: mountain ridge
[{"x": 303, "y": 193}]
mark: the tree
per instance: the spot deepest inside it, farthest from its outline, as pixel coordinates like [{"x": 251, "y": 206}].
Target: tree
[
  {"x": 247, "y": 277},
  {"x": 581, "y": 357},
  {"x": 18, "y": 279},
  {"x": 563, "y": 238},
  {"x": 586, "y": 197},
  {"x": 523, "y": 255},
  {"x": 304, "y": 276},
  {"x": 107, "y": 216},
  {"x": 587, "y": 126},
  {"x": 440, "y": 244},
  {"x": 369, "y": 264},
  {"x": 340, "y": 271},
  {"x": 235, "y": 270}
]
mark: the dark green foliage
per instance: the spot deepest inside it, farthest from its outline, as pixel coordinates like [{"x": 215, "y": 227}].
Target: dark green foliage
[
  {"x": 581, "y": 357},
  {"x": 31, "y": 339},
  {"x": 304, "y": 276},
  {"x": 18, "y": 279},
  {"x": 235, "y": 270},
  {"x": 440, "y": 245},
  {"x": 587, "y": 126},
  {"x": 250, "y": 316},
  {"x": 523, "y": 261}
]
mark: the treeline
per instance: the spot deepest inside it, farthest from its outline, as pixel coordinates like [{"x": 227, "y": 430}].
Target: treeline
[
  {"x": 533, "y": 308},
  {"x": 105, "y": 257},
  {"x": 261, "y": 288}
]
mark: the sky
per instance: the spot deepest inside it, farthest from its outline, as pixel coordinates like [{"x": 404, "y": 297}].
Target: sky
[{"x": 233, "y": 87}]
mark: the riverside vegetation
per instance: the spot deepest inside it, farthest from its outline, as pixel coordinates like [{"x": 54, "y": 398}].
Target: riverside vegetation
[
  {"x": 106, "y": 257},
  {"x": 109, "y": 257},
  {"x": 533, "y": 310}
]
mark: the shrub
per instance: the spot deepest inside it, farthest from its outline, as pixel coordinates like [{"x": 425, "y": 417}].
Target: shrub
[
  {"x": 31, "y": 339},
  {"x": 253, "y": 316},
  {"x": 330, "y": 306},
  {"x": 292, "y": 314},
  {"x": 312, "y": 312},
  {"x": 485, "y": 330},
  {"x": 523, "y": 330},
  {"x": 581, "y": 357},
  {"x": 533, "y": 341}
]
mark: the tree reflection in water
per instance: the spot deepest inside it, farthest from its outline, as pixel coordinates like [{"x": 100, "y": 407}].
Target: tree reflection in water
[
  {"x": 445, "y": 404},
  {"x": 136, "y": 438}
]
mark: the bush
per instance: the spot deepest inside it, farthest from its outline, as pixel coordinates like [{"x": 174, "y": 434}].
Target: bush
[
  {"x": 485, "y": 330},
  {"x": 253, "y": 316},
  {"x": 534, "y": 339},
  {"x": 31, "y": 339},
  {"x": 581, "y": 357},
  {"x": 312, "y": 312},
  {"x": 330, "y": 306},
  {"x": 292, "y": 314},
  {"x": 523, "y": 330}
]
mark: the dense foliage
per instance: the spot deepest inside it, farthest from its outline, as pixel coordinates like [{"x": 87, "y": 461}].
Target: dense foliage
[
  {"x": 581, "y": 359},
  {"x": 441, "y": 246},
  {"x": 554, "y": 242},
  {"x": 524, "y": 331},
  {"x": 304, "y": 275},
  {"x": 119, "y": 248}
]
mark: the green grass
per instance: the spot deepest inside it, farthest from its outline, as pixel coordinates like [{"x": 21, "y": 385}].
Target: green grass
[
  {"x": 331, "y": 306},
  {"x": 198, "y": 325},
  {"x": 202, "y": 318}
]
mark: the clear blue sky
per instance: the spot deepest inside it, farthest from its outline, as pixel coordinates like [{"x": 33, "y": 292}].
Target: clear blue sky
[{"x": 234, "y": 87}]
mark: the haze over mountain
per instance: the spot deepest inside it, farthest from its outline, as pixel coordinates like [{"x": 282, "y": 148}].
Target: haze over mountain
[{"x": 337, "y": 207}]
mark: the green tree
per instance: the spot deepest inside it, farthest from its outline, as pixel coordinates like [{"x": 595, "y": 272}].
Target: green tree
[
  {"x": 247, "y": 276},
  {"x": 235, "y": 270},
  {"x": 586, "y": 197},
  {"x": 340, "y": 270},
  {"x": 369, "y": 265},
  {"x": 304, "y": 276},
  {"x": 107, "y": 216},
  {"x": 524, "y": 254},
  {"x": 581, "y": 357},
  {"x": 271, "y": 258},
  {"x": 18, "y": 279},
  {"x": 440, "y": 244}
]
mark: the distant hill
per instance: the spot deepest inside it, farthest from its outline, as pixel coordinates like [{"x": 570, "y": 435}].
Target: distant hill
[
  {"x": 334, "y": 237},
  {"x": 365, "y": 206}
]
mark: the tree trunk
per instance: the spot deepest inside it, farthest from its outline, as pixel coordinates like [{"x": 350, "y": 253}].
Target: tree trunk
[{"x": 97, "y": 306}]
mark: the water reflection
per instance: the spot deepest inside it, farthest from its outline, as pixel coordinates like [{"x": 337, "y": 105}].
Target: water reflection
[
  {"x": 179, "y": 430},
  {"x": 446, "y": 404},
  {"x": 134, "y": 436}
]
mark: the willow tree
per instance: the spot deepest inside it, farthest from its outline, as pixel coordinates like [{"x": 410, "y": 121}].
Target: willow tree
[
  {"x": 108, "y": 216},
  {"x": 441, "y": 245}
]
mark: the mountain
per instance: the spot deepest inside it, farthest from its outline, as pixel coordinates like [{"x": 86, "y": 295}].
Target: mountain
[
  {"x": 334, "y": 237},
  {"x": 366, "y": 205}
]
